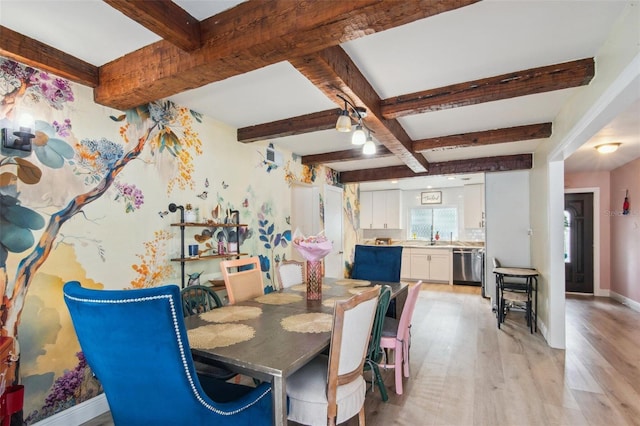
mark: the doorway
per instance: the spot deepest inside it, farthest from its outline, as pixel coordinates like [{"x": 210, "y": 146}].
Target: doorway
[{"x": 578, "y": 242}]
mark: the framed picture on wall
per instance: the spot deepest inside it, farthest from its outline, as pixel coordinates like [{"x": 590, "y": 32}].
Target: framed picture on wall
[{"x": 431, "y": 197}]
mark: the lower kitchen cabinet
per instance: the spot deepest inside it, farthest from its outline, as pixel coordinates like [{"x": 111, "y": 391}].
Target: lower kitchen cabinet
[{"x": 426, "y": 264}]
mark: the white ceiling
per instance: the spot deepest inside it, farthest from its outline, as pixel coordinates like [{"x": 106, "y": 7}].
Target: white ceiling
[{"x": 482, "y": 40}]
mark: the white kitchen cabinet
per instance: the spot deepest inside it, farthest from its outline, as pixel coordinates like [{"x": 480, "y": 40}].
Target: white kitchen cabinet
[
  {"x": 474, "y": 206},
  {"x": 405, "y": 267},
  {"x": 429, "y": 264},
  {"x": 381, "y": 209},
  {"x": 366, "y": 210}
]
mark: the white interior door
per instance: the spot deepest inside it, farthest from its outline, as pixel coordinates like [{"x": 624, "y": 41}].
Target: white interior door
[
  {"x": 305, "y": 212},
  {"x": 333, "y": 262}
]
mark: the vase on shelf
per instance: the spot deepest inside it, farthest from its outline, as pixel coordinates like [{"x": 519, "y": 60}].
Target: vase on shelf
[
  {"x": 190, "y": 215},
  {"x": 314, "y": 280}
]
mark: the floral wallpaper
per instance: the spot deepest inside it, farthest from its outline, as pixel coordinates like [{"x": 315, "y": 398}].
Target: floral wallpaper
[{"x": 85, "y": 196}]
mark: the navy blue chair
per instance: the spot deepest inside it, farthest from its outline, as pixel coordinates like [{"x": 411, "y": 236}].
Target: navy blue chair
[
  {"x": 135, "y": 342},
  {"x": 377, "y": 263}
]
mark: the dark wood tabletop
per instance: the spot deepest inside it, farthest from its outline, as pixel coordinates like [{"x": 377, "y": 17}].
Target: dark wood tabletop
[{"x": 274, "y": 353}]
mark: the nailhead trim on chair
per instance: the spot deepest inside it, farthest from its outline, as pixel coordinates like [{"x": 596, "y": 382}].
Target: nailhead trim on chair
[{"x": 180, "y": 346}]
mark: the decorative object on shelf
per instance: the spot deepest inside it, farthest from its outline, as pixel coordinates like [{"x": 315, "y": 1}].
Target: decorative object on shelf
[
  {"x": 220, "y": 232},
  {"x": 194, "y": 279},
  {"x": 437, "y": 236},
  {"x": 625, "y": 204},
  {"x": 193, "y": 251},
  {"x": 431, "y": 197},
  {"x": 313, "y": 249},
  {"x": 190, "y": 214}
]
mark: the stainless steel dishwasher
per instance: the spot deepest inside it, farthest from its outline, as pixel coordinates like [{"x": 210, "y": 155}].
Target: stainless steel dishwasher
[{"x": 468, "y": 266}]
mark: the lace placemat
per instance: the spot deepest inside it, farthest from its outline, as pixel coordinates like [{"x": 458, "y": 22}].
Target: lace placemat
[
  {"x": 349, "y": 281},
  {"x": 330, "y": 302},
  {"x": 219, "y": 335},
  {"x": 303, "y": 287},
  {"x": 308, "y": 323},
  {"x": 231, "y": 314},
  {"x": 278, "y": 298}
]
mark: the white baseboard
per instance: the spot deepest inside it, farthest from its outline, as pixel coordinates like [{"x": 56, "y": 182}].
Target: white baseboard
[
  {"x": 603, "y": 292},
  {"x": 78, "y": 414},
  {"x": 625, "y": 301}
]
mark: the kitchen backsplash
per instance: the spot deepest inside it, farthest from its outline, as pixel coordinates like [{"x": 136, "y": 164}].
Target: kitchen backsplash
[{"x": 401, "y": 234}]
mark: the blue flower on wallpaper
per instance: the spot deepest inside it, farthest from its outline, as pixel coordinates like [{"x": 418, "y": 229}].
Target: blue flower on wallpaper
[
  {"x": 96, "y": 157},
  {"x": 50, "y": 150}
]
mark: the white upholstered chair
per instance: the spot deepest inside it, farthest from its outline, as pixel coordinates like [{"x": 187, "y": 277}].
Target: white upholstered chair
[
  {"x": 246, "y": 282},
  {"x": 329, "y": 395},
  {"x": 290, "y": 273}
]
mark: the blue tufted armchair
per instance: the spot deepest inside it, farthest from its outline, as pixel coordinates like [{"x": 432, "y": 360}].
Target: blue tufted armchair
[
  {"x": 377, "y": 263},
  {"x": 135, "y": 341}
]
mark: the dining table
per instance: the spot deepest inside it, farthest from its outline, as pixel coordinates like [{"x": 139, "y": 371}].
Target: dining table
[{"x": 272, "y": 336}]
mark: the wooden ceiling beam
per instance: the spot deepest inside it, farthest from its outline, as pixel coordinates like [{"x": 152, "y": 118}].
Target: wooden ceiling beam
[
  {"x": 307, "y": 123},
  {"x": 511, "y": 85},
  {"x": 347, "y": 155},
  {"x": 333, "y": 72},
  {"x": 165, "y": 18},
  {"x": 475, "y": 165},
  {"x": 486, "y": 137},
  {"x": 249, "y": 36},
  {"x": 36, "y": 54}
]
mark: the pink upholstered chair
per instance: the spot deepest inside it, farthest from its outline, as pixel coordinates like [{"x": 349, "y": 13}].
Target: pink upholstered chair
[{"x": 396, "y": 335}]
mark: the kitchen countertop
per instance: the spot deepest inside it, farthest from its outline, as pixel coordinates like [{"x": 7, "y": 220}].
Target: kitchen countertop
[{"x": 438, "y": 245}]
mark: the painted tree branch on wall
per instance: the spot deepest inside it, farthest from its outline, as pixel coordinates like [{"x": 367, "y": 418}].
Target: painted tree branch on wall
[{"x": 154, "y": 126}]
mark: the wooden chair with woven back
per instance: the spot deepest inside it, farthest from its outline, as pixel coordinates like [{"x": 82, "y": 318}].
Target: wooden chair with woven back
[{"x": 242, "y": 279}]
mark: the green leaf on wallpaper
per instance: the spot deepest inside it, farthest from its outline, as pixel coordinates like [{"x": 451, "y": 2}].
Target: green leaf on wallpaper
[
  {"x": 15, "y": 238},
  {"x": 196, "y": 115},
  {"x": 28, "y": 172},
  {"x": 20, "y": 216}
]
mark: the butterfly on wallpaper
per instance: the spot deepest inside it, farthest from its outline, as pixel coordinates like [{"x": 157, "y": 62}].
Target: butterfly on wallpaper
[
  {"x": 163, "y": 214},
  {"x": 203, "y": 196},
  {"x": 245, "y": 203},
  {"x": 206, "y": 182},
  {"x": 224, "y": 185},
  {"x": 288, "y": 219}
]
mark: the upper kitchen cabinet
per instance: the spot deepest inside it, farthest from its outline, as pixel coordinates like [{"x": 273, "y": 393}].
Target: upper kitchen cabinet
[
  {"x": 474, "y": 206},
  {"x": 381, "y": 209}
]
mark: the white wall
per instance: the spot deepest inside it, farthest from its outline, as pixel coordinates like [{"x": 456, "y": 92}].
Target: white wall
[{"x": 508, "y": 224}]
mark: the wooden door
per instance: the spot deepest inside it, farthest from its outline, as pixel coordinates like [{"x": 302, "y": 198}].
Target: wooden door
[{"x": 578, "y": 242}]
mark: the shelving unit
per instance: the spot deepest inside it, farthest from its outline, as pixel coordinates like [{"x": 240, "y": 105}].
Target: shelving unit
[{"x": 183, "y": 225}]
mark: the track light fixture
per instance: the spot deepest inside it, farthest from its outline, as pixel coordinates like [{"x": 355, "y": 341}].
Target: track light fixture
[
  {"x": 343, "y": 124},
  {"x": 369, "y": 147}
]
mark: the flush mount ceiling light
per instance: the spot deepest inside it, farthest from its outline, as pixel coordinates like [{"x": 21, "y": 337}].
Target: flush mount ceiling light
[{"x": 608, "y": 148}]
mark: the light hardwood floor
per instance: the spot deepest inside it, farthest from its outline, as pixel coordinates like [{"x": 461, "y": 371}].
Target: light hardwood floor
[{"x": 464, "y": 371}]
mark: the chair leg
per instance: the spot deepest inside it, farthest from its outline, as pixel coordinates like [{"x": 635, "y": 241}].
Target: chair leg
[
  {"x": 361, "y": 416},
  {"x": 398, "y": 367},
  {"x": 375, "y": 370},
  {"x": 405, "y": 357}
]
